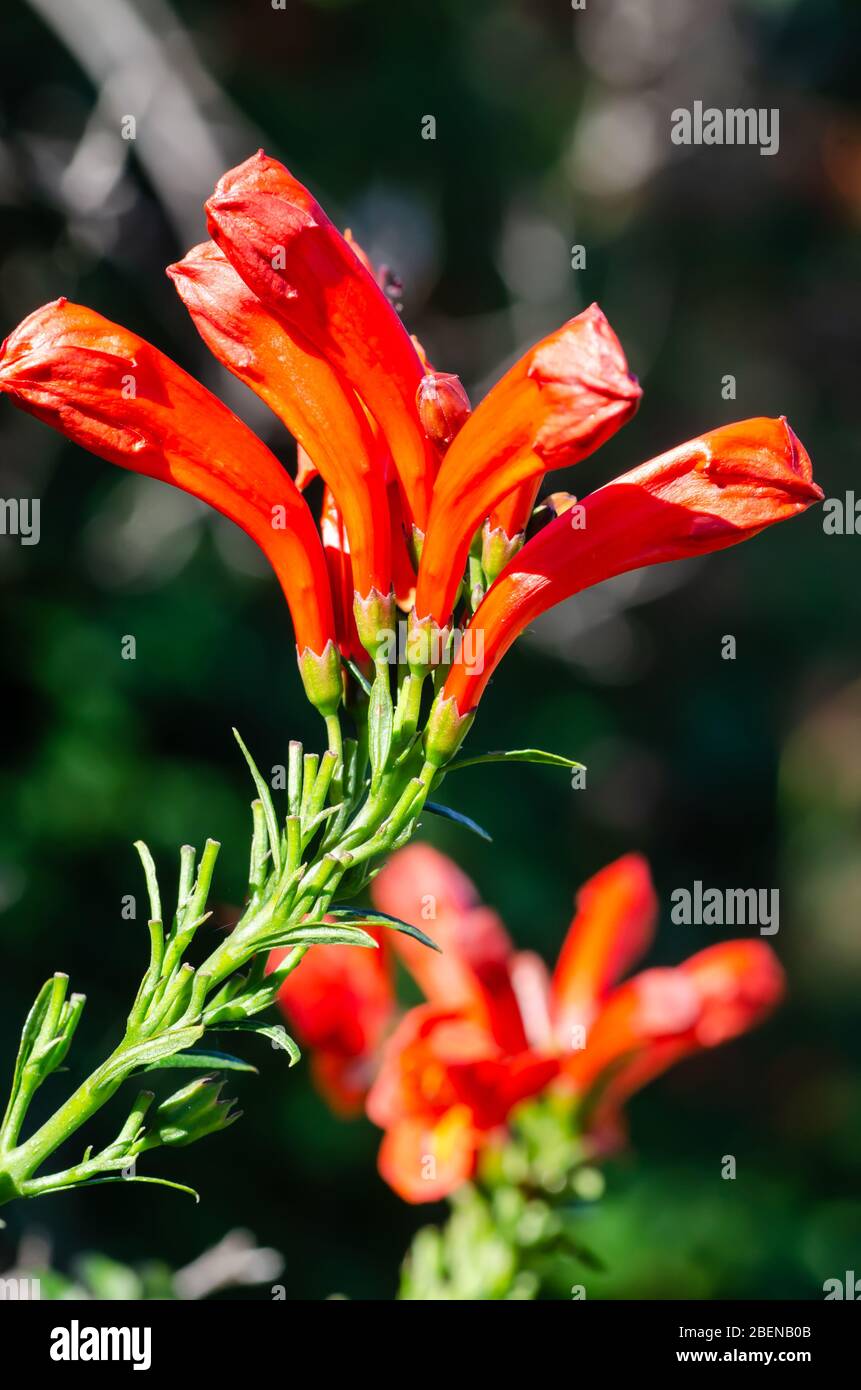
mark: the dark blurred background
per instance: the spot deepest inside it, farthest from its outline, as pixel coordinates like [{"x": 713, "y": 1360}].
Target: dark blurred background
[{"x": 552, "y": 130}]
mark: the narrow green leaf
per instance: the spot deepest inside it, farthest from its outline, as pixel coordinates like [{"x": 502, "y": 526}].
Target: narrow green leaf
[
  {"x": 31, "y": 1030},
  {"x": 266, "y": 797},
  {"x": 381, "y": 716},
  {"x": 151, "y": 881},
  {"x": 466, "y": 821},
  {"x": 372, "y": 918},
  {"x": 359, "y": 675},
  {"x": 151, "y": 1050},
  {"x": 275, "y": 1032},
  {"x": 133, "y": 1177},
  {"x": 201, "y": 1061},
  {"x": 322, "y": 934},
  {"x": 515, "y": 755}
]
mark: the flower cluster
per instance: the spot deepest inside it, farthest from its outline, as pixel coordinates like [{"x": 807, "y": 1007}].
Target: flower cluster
[
  {"x": 443, "y": 1078},
  {"x": 426, "y": 505}
]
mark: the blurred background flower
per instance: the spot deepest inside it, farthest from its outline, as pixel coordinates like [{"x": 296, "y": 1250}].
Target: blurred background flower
[{"x": 552, "y": 133}]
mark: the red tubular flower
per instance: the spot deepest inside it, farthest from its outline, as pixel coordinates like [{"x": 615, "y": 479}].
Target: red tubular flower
[
  {"x": 304, "y": 391},
  {"x": 496, "y": 1030},
  {"x": 705, "y": 495},
  {"x": 563, "y": 399},
  {"x": 116, "y": 395},
  {"x": 297, "y": 263}
]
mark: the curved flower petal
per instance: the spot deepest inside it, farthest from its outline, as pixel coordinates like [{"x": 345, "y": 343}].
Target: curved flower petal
[
  {"x": 662, "y": 1015},
  {"x": 443, "y": 1075},
  {"x": 564, "y": 398},
  {"x": 305, "y": 392},
  {"x": 419, "y": 879},
  {"x": 705, "y": 495},
  {"x": 424, "y": 1161},
  {"x": 414, "y": 1078},
  {"x": 297, "y": 263},
  {"x": 613, "y": 926},
  {"x": 471, "y": 971},
  {"x": 118, "y": 396}
]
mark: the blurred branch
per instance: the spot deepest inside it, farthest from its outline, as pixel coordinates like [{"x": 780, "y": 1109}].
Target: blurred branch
[{"x": 143, "y": 64}]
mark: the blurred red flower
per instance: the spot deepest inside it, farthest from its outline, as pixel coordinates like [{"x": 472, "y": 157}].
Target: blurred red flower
[{"x": 497, "y": 1028}]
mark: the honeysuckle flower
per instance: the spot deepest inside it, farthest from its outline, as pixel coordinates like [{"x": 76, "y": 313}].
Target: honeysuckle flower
[
  {"x": 712, "y": 492},
  {"x": 309, "y": 276},
  {"x": 554, "y": 407},
  {"x": 498, "y": 1029},
  {"x": 118, "y": 396},
  {"x": 319, "y": 409}
]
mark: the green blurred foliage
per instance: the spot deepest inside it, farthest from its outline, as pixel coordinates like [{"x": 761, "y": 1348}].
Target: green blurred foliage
[{"x": 552, "y": 130}]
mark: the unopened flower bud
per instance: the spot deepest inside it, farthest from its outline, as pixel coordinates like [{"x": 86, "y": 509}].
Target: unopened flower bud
[
  {"x": 443, "y": 406},
  {"x": 192, "y": 1112}
]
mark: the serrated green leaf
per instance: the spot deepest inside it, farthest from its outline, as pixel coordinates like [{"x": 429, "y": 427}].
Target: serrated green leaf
[
  {"x": 202, "y": 1061},
  {"x": 372, "y": 918},
  {"x": 467, "y": 822},
  {"x": 514, "y": 755}
]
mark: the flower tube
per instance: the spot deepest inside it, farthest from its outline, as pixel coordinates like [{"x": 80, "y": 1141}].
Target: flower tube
[
  {"x": 306, "y": 273},
  {"x": 118, "y": 396},
  {"x": 563, "y": 399},
  {"x": 304, "y": 391},
  {"x": 710, "y": 493}
]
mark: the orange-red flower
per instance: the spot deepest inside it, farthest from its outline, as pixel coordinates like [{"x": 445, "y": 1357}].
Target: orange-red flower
[
  {"x": 310, "y": 277},
  {"x": 563, "y": 399},
  {"x": 705, "y": 495},
  {"x": 117, "y": 395},
  {"x": 293, "y": 309},
  {"x": 496, "y": 1029},
  {"x": 319, "y": 409}
]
